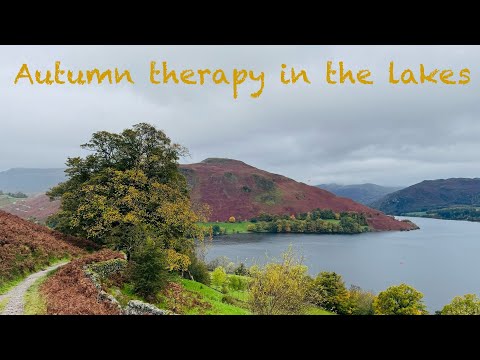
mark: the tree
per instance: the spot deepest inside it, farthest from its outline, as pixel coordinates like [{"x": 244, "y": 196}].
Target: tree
[
  {"x": 279, "y": 288},
  {"x": 148, "y": 269},
  {"x": 468, "y": 304},
  {"x": 400, "y": 300},
  {"x": 231, "y": 219},
  {"x": 129, "y": 188},
  {"x": 219, "y": 277},
  {"x": 329, "y": 292},
  {"x": 360, "y": 302}
]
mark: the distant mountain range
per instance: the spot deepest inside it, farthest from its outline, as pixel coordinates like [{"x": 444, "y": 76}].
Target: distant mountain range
[
  {"x": 362, "y": 193},
  {"x": 431, "y": 195},
  {"x": 233, "y": 188},
  {"x": 30, "y": 180},
  {"x": 230, "y": 187}
]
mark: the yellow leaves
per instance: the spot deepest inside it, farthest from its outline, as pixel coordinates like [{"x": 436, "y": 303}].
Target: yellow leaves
[
  {"x": 177, "y": 261},
  {"x": 131, "y": 218}
]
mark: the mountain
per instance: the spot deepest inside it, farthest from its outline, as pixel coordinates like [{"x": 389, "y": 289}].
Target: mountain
[
  {"x": 362, "y": 193},
  {"x": 37, "y": 207},
  {"x": 431, "y": 194},
  {"x": 233, "y": 188},
  {"x": 30, "y": 180}
]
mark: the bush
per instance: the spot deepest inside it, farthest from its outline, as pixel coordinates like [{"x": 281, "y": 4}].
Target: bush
[
  {"x": 242, "y": 270},
  {"x": 231, "y": 219},
  {"x": 219, "y": 277},
  {"x": 228, "y": 299},
  {"x": 328, "y": 291},
  {"x": 237, "y": 283},
  {"x": 198, "y": 270},
  {"x": 147, "y": 270},
  {"x": 279, "y": 288},
  {"x": 360, "y": 302}
]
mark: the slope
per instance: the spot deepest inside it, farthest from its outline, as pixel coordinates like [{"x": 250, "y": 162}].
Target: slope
[
  {"x": 431, "y": 194},
  {"x": 233, "y": 188},
  {"x": 25, "y": 247}
]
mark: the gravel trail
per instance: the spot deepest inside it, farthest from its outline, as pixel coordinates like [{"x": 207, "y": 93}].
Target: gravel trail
[{"x": 15, "y": 296}]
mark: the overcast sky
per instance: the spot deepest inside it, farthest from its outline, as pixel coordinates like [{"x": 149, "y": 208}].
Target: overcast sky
[{"x": 385, "y": 134}]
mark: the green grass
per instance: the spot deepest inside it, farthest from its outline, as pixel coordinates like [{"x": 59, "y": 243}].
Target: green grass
[
  {"x": 125, "y": 294},
  {"x": 232, "y": 228},
  {"x": 8, "y": 285},
  {"x": 3, "y": 303},
  {"x": 214, "y": 298},
  {"x": 312, "y": 310},
  {"x": 34, "y": 302}
]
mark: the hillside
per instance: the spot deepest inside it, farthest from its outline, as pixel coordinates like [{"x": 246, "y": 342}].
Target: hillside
[
  {"x": 233, "y": 188},
  {"x": 24, "y": 246},
  {"x": 30, "y": 180},
  {"x": 362, "y": 193},
  {"x": 38, "y": 207},
  {"x": 431, "y": 194}
]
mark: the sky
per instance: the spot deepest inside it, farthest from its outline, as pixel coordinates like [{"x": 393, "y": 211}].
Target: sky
[{"x": 316, "y": 133}]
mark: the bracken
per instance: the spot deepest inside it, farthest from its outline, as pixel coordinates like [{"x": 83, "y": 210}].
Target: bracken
[
  {"x": 70, "y": 292},
  {"x": 25, "y": 247}
]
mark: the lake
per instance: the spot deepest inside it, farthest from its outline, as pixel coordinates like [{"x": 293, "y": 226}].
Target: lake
[{"x": 442, "y": 259}]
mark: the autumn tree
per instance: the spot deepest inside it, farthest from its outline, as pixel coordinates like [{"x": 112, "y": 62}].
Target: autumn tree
[
  {"x": 127, "y": 190},
  {"x": 359, "y": 302},
  {"x": 329, "y": 292},
  {"x": 219, "y": 276},
  {"x": 468, "y": 304},
  {"x": 279, "y": 288},
  {"x": 399, "y": 300}
]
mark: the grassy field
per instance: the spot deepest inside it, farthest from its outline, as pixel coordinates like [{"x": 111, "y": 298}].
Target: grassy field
[
  {"x": 200, "y": 299},
  {"x": 231, "y": 228},
  {"x": 214, "y": 298}
]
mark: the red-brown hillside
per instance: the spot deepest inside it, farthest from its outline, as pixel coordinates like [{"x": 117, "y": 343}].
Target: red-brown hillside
[
  {"x": 233, "y": 188},
  {"x": 25, "y": 246},
  {"x": 38, "y": 207}
]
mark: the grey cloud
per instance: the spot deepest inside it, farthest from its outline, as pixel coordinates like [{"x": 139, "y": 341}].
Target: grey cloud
[{"x": 391, "y": 135}]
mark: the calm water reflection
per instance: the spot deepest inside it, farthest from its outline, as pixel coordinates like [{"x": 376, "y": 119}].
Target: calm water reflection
[{"x": 442, "y": 259}]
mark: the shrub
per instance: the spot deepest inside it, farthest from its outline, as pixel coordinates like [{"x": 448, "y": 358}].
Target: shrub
[
  {"x": 198, "y": 270},
  {"x": 147, "y": 270},
  {"x": 219, "y": 277},
  {"x": 279, "y": 288},
  {"x": 242, "y": 270},
  {"x": 360, "y": 302},
  {"x": 237, "y": 283},
  {"x": 231, "y": 219},
  {"x": 328, "y": 291},
  {"x": 228, "y": 299}
]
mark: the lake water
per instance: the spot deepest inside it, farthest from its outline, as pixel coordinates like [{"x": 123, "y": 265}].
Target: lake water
[{"x": 442, "y": 259}]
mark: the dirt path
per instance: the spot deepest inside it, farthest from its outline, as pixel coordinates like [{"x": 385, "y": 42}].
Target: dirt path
[{"x": 15, "y": 296}]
